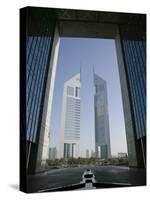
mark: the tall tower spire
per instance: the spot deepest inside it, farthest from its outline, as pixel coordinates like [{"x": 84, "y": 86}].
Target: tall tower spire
[
  {"x": 93, "y": 75},
  {"x": 93, "y": 70},
  {"x": 80, "y": 69}
]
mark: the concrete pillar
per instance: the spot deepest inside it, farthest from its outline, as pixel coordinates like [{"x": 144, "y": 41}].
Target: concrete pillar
[{"x": 43, "y": 146}]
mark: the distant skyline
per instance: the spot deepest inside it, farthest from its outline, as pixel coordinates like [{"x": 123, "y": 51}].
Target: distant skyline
[{"x": 100, "y": 53}]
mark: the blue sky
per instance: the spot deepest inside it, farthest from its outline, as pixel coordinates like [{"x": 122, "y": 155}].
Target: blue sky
[{"x": 101, "y": 54}]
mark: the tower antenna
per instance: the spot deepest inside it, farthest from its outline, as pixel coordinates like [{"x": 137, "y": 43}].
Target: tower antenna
[
  {"x": 80, "y": 70},
  {"x": 93, "y": 75}
]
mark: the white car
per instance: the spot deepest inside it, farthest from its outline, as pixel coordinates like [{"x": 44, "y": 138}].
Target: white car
[{"x": 88, "y": 177}]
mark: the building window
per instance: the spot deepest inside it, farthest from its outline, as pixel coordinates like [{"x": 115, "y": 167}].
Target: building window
[{"x": 77, "y": 94}]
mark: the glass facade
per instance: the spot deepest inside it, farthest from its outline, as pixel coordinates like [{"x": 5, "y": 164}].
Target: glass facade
[
  {"x": 135, "y": 57},
  {"x": 102, "y": 135},
  {"x": 36, "y": 59}
]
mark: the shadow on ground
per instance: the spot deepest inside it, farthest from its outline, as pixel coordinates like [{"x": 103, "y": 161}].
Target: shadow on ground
[{"x": 14, "y": 186}]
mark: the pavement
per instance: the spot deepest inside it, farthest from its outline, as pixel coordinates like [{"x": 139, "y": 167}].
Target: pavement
[{"x": 67, "y": 176}]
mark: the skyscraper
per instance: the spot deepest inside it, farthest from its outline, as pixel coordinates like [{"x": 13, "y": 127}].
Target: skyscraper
[
  {"x": 102, "y": 136},
  {"x": 92, "y": 154},
  {"x": 87, "y": 153},
  {"x": 70, "y": 119},
  {"x": 52, "y": 153}
]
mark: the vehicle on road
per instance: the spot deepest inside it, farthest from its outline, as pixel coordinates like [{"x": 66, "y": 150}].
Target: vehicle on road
[{"x": 88, "y": 178}]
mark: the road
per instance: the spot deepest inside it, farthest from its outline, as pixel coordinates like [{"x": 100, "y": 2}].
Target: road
[{"x": 67, "y": 176}]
